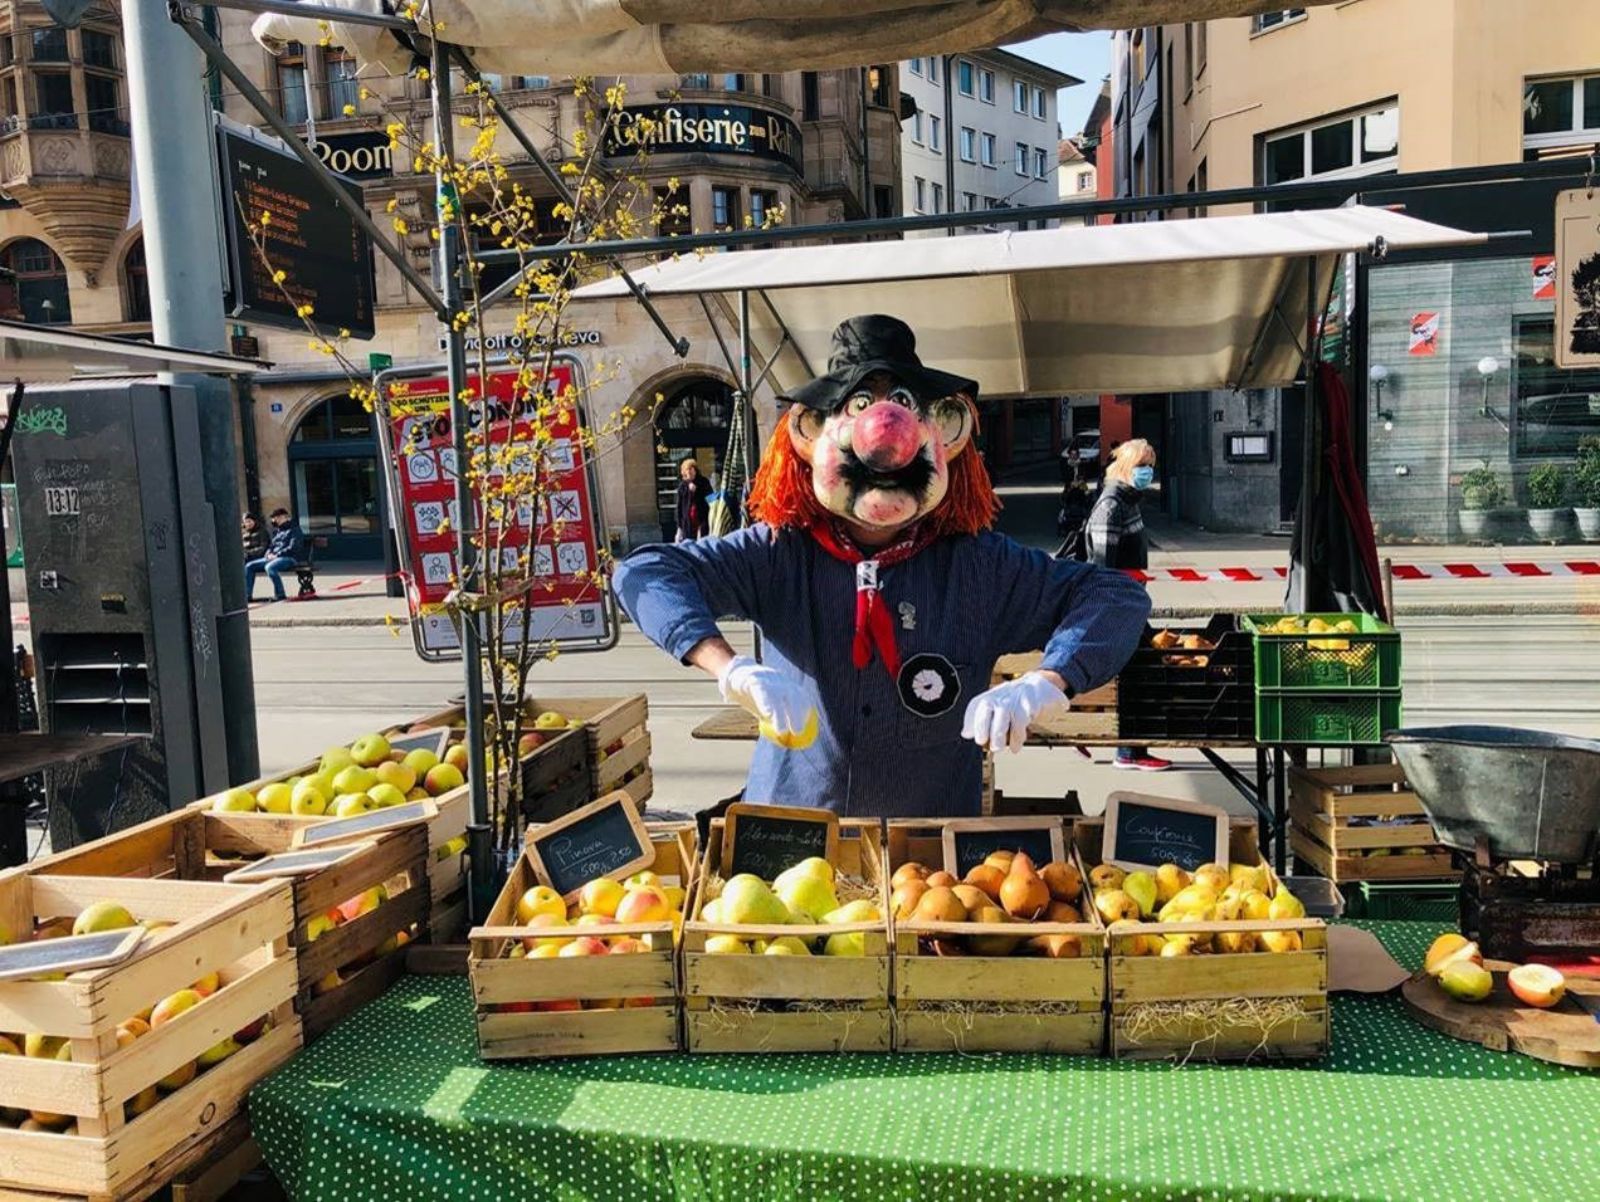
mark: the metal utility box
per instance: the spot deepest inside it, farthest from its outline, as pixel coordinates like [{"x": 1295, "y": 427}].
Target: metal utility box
[{"x": 124, "y": 597}]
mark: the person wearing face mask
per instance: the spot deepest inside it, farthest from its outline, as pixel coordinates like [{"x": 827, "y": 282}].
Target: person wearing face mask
[{"x": 1114, "y": 538}]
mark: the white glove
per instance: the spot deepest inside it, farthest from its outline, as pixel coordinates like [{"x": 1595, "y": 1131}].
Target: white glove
[
  {"x": 765, "y": 692},
  {"x": 1000, "y": 717}
]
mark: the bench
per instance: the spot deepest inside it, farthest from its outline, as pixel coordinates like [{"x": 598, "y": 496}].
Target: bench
[{"x": 305, "y": 571}]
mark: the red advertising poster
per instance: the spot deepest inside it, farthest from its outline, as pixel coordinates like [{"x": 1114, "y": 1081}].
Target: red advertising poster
[
  {"x": 1424, "y": 334},
  {"x": 1544, "y": 277},
  {"x": 553, "y": 542}
]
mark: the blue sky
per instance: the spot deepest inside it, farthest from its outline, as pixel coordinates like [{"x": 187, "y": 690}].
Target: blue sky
[{"x": 1085, "y": 55}]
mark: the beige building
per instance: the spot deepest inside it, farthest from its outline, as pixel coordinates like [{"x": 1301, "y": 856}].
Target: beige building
[
  {"x": 1449, "y": 359},
  {"x": 70, "y": 249}
]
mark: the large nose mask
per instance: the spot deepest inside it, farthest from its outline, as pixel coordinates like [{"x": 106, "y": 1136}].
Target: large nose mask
[{"x": 884, "y": 430}]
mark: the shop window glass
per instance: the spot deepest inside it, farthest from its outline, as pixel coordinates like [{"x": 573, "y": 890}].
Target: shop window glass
[
  {"x": 673, "y": 207},
  {"x": 348, "y": 418},
  {"x": 1285, "y": 159},
  {"x": 1332, "y": 148},
  {"x": 965, "y": 75},
  {"x": 1380, "y": 134},
  {"x": 41, "y": 282},
  {"x": 291, "y": 65},
  {"x": 1547, "y": 107},
  {"x": 318, "y": 509},
  {"x": 343, "y": 89},
  {"x": 1554, "y": 408}
]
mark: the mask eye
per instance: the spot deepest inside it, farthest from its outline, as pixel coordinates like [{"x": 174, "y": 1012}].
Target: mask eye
[
  {"x": 809, "y": 423},
  {"x": 951, "y": 417},
  {"x": 903, "y": 397},
  {"x": 858, "y": 403}
]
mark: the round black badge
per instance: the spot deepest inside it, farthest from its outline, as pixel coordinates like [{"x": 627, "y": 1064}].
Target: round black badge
[{"x": 929, "y": 685}]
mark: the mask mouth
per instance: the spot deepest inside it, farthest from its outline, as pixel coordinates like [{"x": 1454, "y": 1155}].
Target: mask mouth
[{"x": 913, "y": 478}]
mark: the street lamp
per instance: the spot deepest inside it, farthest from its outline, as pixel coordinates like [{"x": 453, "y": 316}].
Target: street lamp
[
  {"x": 1487, "y": 366},
  {"x": 1378, "y": 374}
]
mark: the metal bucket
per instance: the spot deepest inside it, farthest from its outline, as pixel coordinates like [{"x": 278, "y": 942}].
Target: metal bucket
[{"x": 1532, "y": 794}]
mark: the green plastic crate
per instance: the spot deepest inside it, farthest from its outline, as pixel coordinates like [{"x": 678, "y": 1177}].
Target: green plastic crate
[
  {"x": 1406, "y": 901},
  {"x": 1367, "y": 659},
  {"x": 1325, "y": 719}
]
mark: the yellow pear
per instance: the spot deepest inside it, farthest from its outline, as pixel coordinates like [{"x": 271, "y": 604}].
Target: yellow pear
[
  {"x": 1170, "y": 879},
  {"x": 846, "y": 943},
  {"x": 1254, "y": 905},
  {"x": 1286, "y": 905},
  {"x": 860, "y": 910},
  {"x": 1213, "y": 876},
  {"x": 1236, "y": 942},
  {"x": 727, "y": 945},
  {"x": 1141, "y": 886},
  {"x": 1281, "y": 941},
  {"x": 786, "y": 945},
  {"x": 1250, "y": 876}
]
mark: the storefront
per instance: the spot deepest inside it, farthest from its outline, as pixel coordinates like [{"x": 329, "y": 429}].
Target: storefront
[{"x": 335, "y": 494}]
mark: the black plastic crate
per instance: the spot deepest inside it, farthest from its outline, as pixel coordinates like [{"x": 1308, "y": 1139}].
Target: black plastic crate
[{"x": 1160, "y": 697}]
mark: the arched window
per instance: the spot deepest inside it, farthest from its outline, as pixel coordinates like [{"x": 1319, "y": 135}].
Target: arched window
[
  {"x": 135, "y": 284},
  {"x": 41, "y": 281}
]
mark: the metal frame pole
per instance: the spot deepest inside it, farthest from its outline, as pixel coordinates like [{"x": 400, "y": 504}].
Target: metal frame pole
[{"x": 480, "y": 831}]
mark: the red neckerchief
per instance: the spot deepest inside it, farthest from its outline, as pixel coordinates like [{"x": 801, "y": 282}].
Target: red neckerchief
[{"x": 874, "y": 627}]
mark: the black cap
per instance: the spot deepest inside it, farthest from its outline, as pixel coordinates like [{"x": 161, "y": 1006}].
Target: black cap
[{"x": 876, "y": 342}]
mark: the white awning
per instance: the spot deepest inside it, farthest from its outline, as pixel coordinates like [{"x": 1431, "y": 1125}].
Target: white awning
[
  {"x": 594, "y": 37},
  {"x": 1162, "y": 306},
  {"x": 52, "y": 354}
]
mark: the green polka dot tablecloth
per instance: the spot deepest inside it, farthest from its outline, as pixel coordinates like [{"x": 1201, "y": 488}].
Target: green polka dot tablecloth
[{"x": 394, "y": 1105}]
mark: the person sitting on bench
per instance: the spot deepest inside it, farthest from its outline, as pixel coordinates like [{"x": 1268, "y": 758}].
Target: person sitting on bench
[{"x": 285, "y": 549}]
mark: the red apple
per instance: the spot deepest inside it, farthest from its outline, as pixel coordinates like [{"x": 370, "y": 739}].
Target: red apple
[{"x": 585, "y": 945}]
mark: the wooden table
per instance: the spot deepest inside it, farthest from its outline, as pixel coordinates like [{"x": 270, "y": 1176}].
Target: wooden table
[{"x": 29, "y": 752}]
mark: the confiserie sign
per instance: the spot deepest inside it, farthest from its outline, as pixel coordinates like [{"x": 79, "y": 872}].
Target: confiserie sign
[{"x": 736, "y": 129}]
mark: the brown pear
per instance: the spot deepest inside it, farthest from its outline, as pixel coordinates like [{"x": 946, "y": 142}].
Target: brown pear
[
  {"x": 1063, "y": 879},
  {"x": 1021, "y": 859},
  {"x": 1057, "y": 947},
  {"x": 1024, "y": 893},
  {"x": 947, "y": 879},
  {"x": 972, "y": 897},
  {"x": 905, "y": 898},
  {"x": 992, "y": 945},
  {"x": 940, "y": 904},
  {"x": 1000, "y": 860},
  {"x": 988, "y": 878},
  {"x": 1060, "y": 911},
  {"x": 906, "y": 873}
]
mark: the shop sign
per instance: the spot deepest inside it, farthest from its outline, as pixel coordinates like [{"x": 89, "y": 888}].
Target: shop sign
[
  {"x": 505, "y": 344},
  {"x": 365, "y": 154},
  {"x": 1578, "y": 278},
  {"x": 731, "y": 129}
]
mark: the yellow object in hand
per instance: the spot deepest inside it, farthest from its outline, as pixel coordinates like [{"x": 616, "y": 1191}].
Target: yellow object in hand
[{"x": 797, "y": 740}]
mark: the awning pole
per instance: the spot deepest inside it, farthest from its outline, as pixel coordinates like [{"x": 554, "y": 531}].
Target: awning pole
[
  {"x": 787, "y": 336},
  {"x": 716, "y": 332}
]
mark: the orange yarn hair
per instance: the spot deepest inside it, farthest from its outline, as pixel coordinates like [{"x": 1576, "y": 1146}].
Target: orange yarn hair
[{"x": 782, "y": 494}]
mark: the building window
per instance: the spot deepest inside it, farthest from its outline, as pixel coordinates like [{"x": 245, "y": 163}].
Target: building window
[
  {"x": 1366, "y": 143},
  {"x": 1272, "y": 20},
  {"x": 135, "y": 284},
  {"x": 533, "y": 83},
  {"x": 1554, "y": 408},
  {"x": 986, "y": 85},
  {"x": 965, "y": 74},
  {"x": 41, "y": 281},
  {"x": 938, "y": 198},
  {"x": 699, "y": 81},
  {"x": 1038, "y": 104},
  {"x": 988, "y": 146},
  {"x": 935, "y": 133},
  {"x": 725, "y": 208},
  {"x": 810, "y": 96},
  {"x": 1041, "y": 163},
  {"x": 291, "y": 66},
  {"x": 882, "y": 201},
  {"x": 969, "y": 144},
  {"x": 969, "y": 201},
  {"x": 99, "y": 49},
  {"x": 1019, "y": 160},
  {"x": 770, "y": 85},
  {"x": 1019, "y": 97},
  {"x": 916, "y": 127},
  {"x": 100, "y": 94},
  {"x": 762, "y": 205},
  {"x": 916, "y": 66},
  {"x": 933, "y": 71},
  {"x": 1085, "y": 180},
  {"x": 1559, "y": 112},
  {"x": 49, "y": 45},
  {"x": 52, "y": 108},
  {"x": 735, "y": 83},
  {"x": 342, "y": 86},
  {"x": 919, "y": 191},
  {"x": 672, "y": 213}
]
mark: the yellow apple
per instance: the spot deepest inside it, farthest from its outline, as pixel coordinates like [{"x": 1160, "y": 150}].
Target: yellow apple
[
  {"x": 370, "y": 750},
  {"x": 541, "y": 899},
  {"x": 383, "y": 795},
  {"x": 308, "y": 799},
  {"x": 102, "y": 916},
  {"x": 276, "y": 797},
  {"x": 600, "y": 896},
  {"x": 419, "y": 761},
  {"x": 235, "y": 801},
  {"x": 456, "y": 756},
  {"x": 348, "y": 805},
  {"x": 354, "y": 779},
  {"x": 400, "y": 776},
  {"x": 335, "y": 758},
  {"x": 442, "y": 778},
  {"x": 550, "y": 720}
]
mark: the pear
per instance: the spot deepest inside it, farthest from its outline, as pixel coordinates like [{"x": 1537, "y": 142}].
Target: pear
[
  {"x": 1063, "y": 880},
  {"x": 1170, "y": 879},
  {"x": 992, "y": 945},
  {"x": 1116, "y": 906},
  {"x": 711, "y": 911},
  {"x": 1214, "y": 876},
  {"x": 810, "y": 895},
  {"x": 1194, "y": 897},
  {"x": 1250, "y": 876},
  {"x": 1024, "y": 894},
  {"x": 846, "y": 943},
  {"x": 905, "y": 898},
  {"x": 1236, "y": 942},
  {"x": 1281, "y": 941},
  {"x": 1286, "y": 905},
  {"x": 1141, "y": 886},
  {"x": 787, "y": 945},
  {"x": 1255, "y": 905},
  {"x": 815, "y": 867},
  {"x": 974, "y": 898},
  {"x": 1177, "y": 945},
  {"x": 747, "y": 900},
  {"x": 1105, "y": 876},
  {"x": 727, "y": 945},
  {"x": 860, "y": 910}
]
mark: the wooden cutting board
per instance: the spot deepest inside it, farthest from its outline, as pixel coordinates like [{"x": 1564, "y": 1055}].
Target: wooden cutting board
[{"x": 1565, "y": 1034}]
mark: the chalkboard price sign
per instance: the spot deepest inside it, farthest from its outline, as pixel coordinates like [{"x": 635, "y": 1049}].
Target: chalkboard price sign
[
  {"x": 603, "y": 838},
  {"x": 23, "y": 961},
  {"x": 337, "y": 830},
  {"x": 434, "y": 739},
  {"x": 295, "y": 863},
  {"x": 765, "y": 840},
  {"x": 968, "y": 842},
  {"x": 1146, "y": 832}
]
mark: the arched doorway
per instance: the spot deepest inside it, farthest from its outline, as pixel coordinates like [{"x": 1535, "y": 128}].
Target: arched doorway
[
  {"x": 40, "y": 280},
  {"x": 692, "y": 424},
  {"x": 333, "y": 479}
]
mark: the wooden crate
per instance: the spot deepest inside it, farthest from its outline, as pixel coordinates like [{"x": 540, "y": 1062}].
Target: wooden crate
[
  {"x": 1239, "y": 1006},
  {"x": 1324, "y": 802},
  {"x": 240, "y": 932},
  {"x": 736, "y": 1003},
  {"x": 201, "y": 845},
  {"x": 1093, "y": 715},
  {"x": 507, "y": 991},
  {"x": 992, "y": 1003}
]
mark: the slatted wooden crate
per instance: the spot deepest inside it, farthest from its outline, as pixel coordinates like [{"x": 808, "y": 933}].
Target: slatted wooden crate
[
  {"x": 200, "y": 845},
  {"x": 121, "y": 1139},
  {"x": 748, "y": 1003},
  {"x": 977, "y": 1003},
  {"x": 1233, "y": 1006},
  {"x": 1093, "y": 714},
  {"x": 1328, "y": 806},
  {"x": 511, "y": 994}
]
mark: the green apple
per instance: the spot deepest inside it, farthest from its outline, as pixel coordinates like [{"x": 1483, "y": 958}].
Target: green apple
[
  {"x": 276, "y": 798},
  {"x": 235, "y": 801},
  {"x": 308, "y": 799},
  {"x": 336, "y": 758},
  {"x": 354, "y": 779},
  {"x": 386, "y": 795},
  {"x": 370, "y": 750},
  {"x": 348, "y": 805},
  {"x": 420, "y": 761}
]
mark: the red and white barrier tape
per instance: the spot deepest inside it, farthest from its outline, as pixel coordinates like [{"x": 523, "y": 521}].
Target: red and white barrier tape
[{"x": 1402, "y": 571}]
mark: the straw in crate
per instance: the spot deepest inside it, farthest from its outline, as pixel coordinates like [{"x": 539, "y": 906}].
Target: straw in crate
[
  {"x": 982, "y": 967},
  {"x": 776, "y": 985},
  {"x": 109, "y": 1071},
  {"x": 1217, "y": 964},
  {"x": 604, "y": 985}
]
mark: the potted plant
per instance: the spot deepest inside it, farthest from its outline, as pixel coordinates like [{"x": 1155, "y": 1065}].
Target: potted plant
[
  {"x": 1481, "y": 494},
  {"x": 1586, "y": 489},
  {"x": 1547, "y": 495}
]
